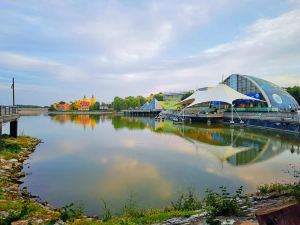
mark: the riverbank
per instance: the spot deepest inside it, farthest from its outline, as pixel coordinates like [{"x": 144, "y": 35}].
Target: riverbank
[
  {"x": 79, "y": 113},
  {"x": 19, "y": 207}
]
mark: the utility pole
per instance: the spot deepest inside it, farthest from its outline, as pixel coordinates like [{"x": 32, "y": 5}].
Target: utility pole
[{"x": 13, "y": 88}]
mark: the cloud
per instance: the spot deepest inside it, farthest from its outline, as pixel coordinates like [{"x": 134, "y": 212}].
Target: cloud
[{"x": 135, "y": 48}]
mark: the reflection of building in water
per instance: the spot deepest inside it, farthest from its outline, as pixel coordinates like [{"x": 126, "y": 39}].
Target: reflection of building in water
[
  {"x": 83, "y": 120},
  {"x": 237, "y": 147}
]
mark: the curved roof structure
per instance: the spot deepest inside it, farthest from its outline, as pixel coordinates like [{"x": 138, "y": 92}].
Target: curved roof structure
[
  {"x": 221, "y": 93},
  {"x": 271, "y": 93}
]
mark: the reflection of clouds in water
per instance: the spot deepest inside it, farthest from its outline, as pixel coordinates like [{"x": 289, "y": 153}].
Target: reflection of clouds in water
[
  {"x": 126, "y": 175},
  {"x": 130, "y": 143},
  {"x": 111, "y": 163}
]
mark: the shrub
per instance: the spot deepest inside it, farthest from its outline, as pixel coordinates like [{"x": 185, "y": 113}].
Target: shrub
[
  {"x": 224, "y": 204},
  {"x": 14, "y": 215},
  {"x": 71, "y": 212},
  {"x": 187, "y": 201},
  {"x": 274, "y": 188}
]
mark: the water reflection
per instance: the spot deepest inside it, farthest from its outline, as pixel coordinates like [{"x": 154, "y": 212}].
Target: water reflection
[
  {"x": 82, "y": 120},
  {"x": 240, "y": 146},
  {"x": 91, "y": 158}
]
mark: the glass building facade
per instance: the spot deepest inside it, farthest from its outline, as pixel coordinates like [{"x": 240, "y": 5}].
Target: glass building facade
[{"x": 272, "y": 95}]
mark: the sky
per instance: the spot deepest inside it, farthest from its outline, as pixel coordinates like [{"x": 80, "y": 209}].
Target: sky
[{"x": 63, "y": 50}]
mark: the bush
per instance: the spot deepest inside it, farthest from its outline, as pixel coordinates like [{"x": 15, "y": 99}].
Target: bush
[
  {"x": 71, "y": 212},
  {"x": 187, "y": 201},
  {"x": 14, "y": 215},
  {"x": 224, "y": 204},
  {"x": 274, "y": 188}
]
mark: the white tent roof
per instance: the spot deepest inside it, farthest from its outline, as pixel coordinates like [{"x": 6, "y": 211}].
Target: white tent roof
[{"x": 221, "y": 93}]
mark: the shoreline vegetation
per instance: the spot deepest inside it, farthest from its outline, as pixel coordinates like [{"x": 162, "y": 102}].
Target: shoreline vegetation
[{"x": 18, "y": 207}]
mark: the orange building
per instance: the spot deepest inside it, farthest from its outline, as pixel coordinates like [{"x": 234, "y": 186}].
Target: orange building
[{"x": 62, "y": 106}]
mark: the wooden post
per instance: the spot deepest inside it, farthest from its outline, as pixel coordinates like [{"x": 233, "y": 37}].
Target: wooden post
[{"x": 13, "y": 129}]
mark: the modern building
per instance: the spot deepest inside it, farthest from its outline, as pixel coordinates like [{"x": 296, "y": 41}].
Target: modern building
[
  {"x": 272, "y": 95},
  {"x": 153, "y": 105}
]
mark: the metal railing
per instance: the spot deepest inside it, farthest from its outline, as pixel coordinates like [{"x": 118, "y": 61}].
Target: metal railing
[{"x": 8, "y": 110}]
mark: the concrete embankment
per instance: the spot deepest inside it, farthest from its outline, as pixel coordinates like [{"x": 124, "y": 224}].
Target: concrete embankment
[
  {"x": 281, "y": 121},
  {"x": 32, "y": 111}
]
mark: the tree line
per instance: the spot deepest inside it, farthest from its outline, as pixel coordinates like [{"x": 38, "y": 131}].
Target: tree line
[
  {"x": 295, "y": 92},
  {"x": 134, "y": 102}
]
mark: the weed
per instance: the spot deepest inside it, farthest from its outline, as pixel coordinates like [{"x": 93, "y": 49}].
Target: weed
[
  {"x": 107, "y": 214},
  {"x": 71, "y": 212},
  {"x": 187, "y": 201},
  {"x": 224, "y": 204}
]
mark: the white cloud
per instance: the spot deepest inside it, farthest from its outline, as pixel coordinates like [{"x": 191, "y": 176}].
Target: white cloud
[{"x": 120, "y": 48}]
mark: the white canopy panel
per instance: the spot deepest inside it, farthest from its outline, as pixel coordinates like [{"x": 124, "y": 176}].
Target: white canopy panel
[{"x": 221, "y": 93}]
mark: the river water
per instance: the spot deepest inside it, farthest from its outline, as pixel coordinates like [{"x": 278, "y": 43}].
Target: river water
[{"x": 87, "y": 159}]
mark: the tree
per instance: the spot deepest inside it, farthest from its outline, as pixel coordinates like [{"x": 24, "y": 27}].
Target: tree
[
  {"x": 295, "y": 92},
  {"x": 188, "y": 94},
  {"x": 159, "y": 96},
  {"x": 52, "y": 108},
  {"x": 96, "y": 106}
]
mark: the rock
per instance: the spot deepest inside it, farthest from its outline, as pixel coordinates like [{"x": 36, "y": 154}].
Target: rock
[
  {"x": 4, "y": 214},
  {"x": 39, "y": 221},
  {"x": 12, "y": 160},
  {"x": 228, "y": 222},
  {"x": 7, "y": 167},
  {"x": 60, "y": 222},
  {"x": 20, "y": 174},
  {"x": 20, "y": 222}
]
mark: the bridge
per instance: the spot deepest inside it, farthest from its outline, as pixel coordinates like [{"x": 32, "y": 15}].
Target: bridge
[{"x": 9, "y": 114}]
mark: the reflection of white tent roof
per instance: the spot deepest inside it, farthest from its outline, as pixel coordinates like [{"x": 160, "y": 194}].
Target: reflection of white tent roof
[{"x": 220, "y": 93}]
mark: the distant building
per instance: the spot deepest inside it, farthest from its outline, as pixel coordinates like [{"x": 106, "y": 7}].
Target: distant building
[
  {"x": 85, "y": 104},
  {"x": 62, "y": 106},
  {"x": 82, "y": 105},
  {"x": 273, "y": 95}
]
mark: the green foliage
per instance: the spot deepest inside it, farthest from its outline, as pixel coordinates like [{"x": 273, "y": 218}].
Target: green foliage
[
  {"x": 10, "y": 147},
  {"x": 188, "y": 94},
  {"x": 159, "y": 96},
  {"x": 295, "y": 92},
  {"x": 107, "y": 214},
  {"x": 129, "y": 102},
  {"x": 277, "y": 188},
  {"x": 224, "y": 204},
  {"x": 71, "y": 212},
  {"x": 52, "y": 108},
  {"x": 130, "y": 209},
  {"x": 95, "y": 107},
  {"x": 295, "y": 191},
  {"x": 187, "y": 201},
  {"x": 25, "y": 210}
]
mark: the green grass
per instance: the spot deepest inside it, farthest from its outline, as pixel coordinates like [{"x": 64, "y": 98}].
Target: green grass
[
  {"x": 11, "y": 147},
  {"x": 274, "y": 188},
  {"x": 171, "y": 105},
  {"x": 149, "y": 216}
]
